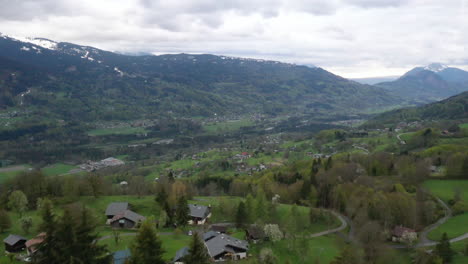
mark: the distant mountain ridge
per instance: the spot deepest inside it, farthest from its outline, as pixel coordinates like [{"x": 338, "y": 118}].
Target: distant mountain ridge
[
  {"x": 431, "y": 83},
  {"x": 80, "y": 82},
  {"x": 453, "y": 108}
]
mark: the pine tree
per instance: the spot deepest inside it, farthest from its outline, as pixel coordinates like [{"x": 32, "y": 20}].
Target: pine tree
[
  {"x": 49, "y": 249},
  {"x": 146, "y": 248},
  {"x": 5, "y": 221},
  {"x": 250, "y": 209},
  {"x": 65, "y": 237},
  {"x": 444, "y": 250},
  {"x": 87, "y": 249},
  {"x": 241, "y": 215},
  {"x": 198, "y": 253},
  {"x": 182, "y": 212}
]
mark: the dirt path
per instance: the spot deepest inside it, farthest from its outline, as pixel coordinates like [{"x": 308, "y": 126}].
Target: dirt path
[
  {"x": 423, "y": 240},
  {"x": 13, "y": 168},
  {"x": 343, "y": 226},
  {"x": 361, "y": 148},
  {"x": 402, "y": 142}
]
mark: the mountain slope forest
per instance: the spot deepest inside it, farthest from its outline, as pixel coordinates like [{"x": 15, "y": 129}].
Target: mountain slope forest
[
  {"x": 453, "y": 108},
  {"x": 82, "y": 83}
]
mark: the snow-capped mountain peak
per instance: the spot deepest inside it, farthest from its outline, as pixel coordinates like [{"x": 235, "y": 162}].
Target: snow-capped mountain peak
[
  {"x": 41, "y": 42},
  {"x": 436, "y": 67}
]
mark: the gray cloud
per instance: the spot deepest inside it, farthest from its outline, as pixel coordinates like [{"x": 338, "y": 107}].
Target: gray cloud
[{"x": 377, "y": 3}]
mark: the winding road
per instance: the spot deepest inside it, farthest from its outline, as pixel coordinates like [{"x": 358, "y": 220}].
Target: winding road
[{"x": 424, "y": 241}]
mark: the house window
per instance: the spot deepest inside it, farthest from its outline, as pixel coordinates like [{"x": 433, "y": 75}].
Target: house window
[{"x": 121, "y": 222}]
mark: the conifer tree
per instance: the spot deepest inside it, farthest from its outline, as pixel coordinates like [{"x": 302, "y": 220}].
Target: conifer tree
[
  {"x": 146, "y": 248},
  {"x": 443, "y": 249},
  {"x": 88, "y": 251},
  {"x": 182, "y": 212},
  {"x": 241, "y": 215},
  {"x": 65, "y": 237},
  {"x": 198, "y": 253},
  {"x": 49, "y": 249}
]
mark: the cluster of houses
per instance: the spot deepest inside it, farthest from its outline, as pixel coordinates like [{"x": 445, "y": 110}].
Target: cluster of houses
[
  {"x": 119, "y": 215},
  {"x": 97, "y": 165},
  {"x": 15, "y": 244}
]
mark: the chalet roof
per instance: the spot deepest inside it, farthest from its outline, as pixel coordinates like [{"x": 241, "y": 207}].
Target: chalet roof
[
  {"x": 209, "y": 235},
  {"x": 398, "y": 231},
  {"x": 120, "y": 257},
  {"x": 32, "y": 243},
  {"x": 130, "y": 215},
  {"x": 181, "y": 253},
  {"x": 116, "y": 208},
  {"x": 198, "y": 211},
  {"x": 224, "y": 243},
  {"x": 13, "y": 239}
]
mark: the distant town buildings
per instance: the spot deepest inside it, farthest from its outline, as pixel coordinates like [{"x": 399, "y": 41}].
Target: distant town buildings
[{"x": 97, "y": 165}]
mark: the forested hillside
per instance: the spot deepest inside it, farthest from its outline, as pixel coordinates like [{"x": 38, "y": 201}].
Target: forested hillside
[
  {"x": 453, "y": 108},
  {"x": 99, "y": 85}
]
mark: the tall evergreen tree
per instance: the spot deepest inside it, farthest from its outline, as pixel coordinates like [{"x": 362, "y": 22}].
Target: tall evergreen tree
[
  {"x": 49, "y": 249},
  {"x": 147, "y": 248},
  {"x": 198, "y": 253},
  {"x": 241, "y": 215},
  {"x": 444, "y": 250},
  {"x": 182, "y": 212},
  {"x": 88, "y": 251}
]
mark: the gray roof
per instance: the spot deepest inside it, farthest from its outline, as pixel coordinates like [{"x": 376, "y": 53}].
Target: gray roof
[
  {"x": 209, "y": 235},
  {"x": 224, "y": 243},
  {"x": 130, "y": 215},
  {"x": 13, "y": 239},
  {"x": 120, "y": 257},
  {"x": 116, "y": 208},
  {"x": 181, "y": 253},
  {"x": 199, "y": 211}
]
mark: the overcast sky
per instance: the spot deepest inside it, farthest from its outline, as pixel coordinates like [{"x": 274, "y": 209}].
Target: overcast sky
[{"x": 352, "y": 38}]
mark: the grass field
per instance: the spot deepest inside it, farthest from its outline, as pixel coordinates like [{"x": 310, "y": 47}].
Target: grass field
[
  {"x": 445, "y": 189},
  {"x": 455, "y": 226},
  {"x": 117, "y": 131},
  {"x": 465, "y": 125},
  {"x": 170, "y": 244},
  {"x": 459, "y": 258},
  {"x": 11, "y": 171},
  {"x": 57, "y": 169},
  {"x": 323, "y": 249}
]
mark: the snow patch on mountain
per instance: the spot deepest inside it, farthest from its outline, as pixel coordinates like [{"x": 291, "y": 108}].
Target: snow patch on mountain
[
  {"x": 41, "y": 42},
  {"x": 435, "y": 67},
  {"x": 119, "y": 71}
]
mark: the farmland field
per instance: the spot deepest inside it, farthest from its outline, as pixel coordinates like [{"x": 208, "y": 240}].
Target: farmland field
[
  {"x": 117, "y": 131},
  {"x": 455, "y": 226},
  {"x": 445, "y": 189}
]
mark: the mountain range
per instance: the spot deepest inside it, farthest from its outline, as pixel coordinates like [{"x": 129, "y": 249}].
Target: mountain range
[
  {"x": 69, "y": 81},
  {"x": 428, "y": 84},
  {"x": 453, "y": 108}
]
